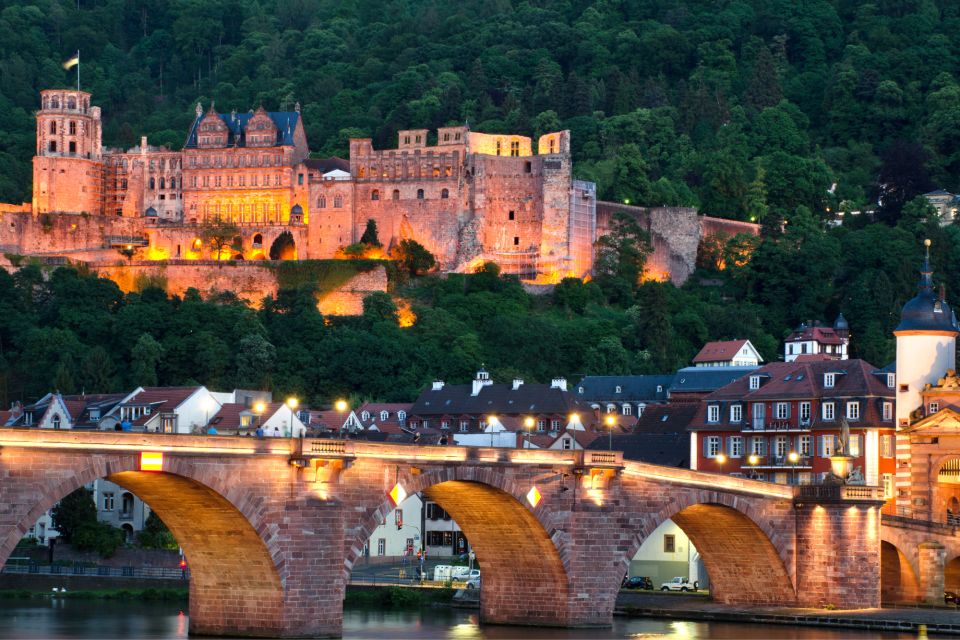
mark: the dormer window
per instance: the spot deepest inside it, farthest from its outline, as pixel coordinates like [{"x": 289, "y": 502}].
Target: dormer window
[
  {"x": 659, "y": 388},
  {"x": 581, "y": 390},
  {"x": 713, "y": 413},
  {"x": 611, "y": 408},
  {"x": 384, "y": 415},
  {"x": 619, "y": 389},
  {"x": 94, "y": 415},
  {"x": 934, "y": 407},
  {"x": 891, "y": 380},
  {"x": 754, "y": 383},
  {"x": 365, "y": 416},
  {"x": 401, "y": 415},
  {"x": 829, "y": 380}
]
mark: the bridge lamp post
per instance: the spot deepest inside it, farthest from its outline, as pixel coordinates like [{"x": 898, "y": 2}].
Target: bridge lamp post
[
  {"x": 611, "y": 423},
  {"x": 721, "y": 459},
  {"x": 753, "y": 460},
  {"x": 528, "y": 422},
  {"x": 794, "y": 457},
  {"x": 292, "y": 404},
  {"x": 490, "y": 420},
  {"x": 258, "y": 408},
  {"x": 341, "y": 406}
]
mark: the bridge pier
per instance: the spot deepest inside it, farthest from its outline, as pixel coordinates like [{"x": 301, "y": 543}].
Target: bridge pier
[
  {"x": 838, "y": 542},
  {"x": 931, "y": 558}
]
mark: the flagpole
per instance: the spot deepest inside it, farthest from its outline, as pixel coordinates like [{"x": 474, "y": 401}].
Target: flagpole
[{"x": 78, "y": 69}]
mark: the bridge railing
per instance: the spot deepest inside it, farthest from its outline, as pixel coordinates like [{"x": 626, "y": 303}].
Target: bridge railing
[{"x": 839, "y": 493}]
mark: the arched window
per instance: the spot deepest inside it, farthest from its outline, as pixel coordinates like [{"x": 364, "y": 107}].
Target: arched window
[
  {"x": 53, "y": 128},
  {"x": 436, "y": 172},
  {"x": 384, "y": 415},
  {"x": 337, "y": 201},
  {"x": 444, "y": 194},
  {"x": 163, "y": 183},
  {"x": 375, "y": 194},
  {"x": 419, "y": 194},
  {"x": 56, "y": 103},
  {"x": 362, "y": 173},
  {"x": 365, "y": 416},
  {"x": 173, "y": 183},
  {"x": 322, "y": 202},
  {"x": 55, "y": 421},
  {"x": 611, "y": 408},
  {"x": 396, "y": 194},
  {"x": 153, "y": 184},
  {"x": 71, "y": 103},
  {"x": 401, "y": 415},
  {"x": 258, "y": 240},
  {"x": 619, "y": 389}
]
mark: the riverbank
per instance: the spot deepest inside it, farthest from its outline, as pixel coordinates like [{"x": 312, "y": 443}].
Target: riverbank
[
  {"x": 903, "y": 620},
  {"x": 144, "y": 595}
]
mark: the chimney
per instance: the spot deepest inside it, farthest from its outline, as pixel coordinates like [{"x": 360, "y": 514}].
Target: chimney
[
  {"x": 559, "y": 383},
  {"x": 437, "y": 385},
  {"x": 517, "y": 382},
  {"x": 143, "y": 144}
]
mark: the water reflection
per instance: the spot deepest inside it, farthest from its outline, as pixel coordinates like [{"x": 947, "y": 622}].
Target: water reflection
[{"x": 69, "y": 619}]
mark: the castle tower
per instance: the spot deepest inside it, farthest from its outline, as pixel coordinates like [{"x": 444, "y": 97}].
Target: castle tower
[
  {"x": 67, "y": 167},
  {"x": 926, "y": 349}
]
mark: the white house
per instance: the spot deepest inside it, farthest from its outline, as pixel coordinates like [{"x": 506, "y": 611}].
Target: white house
[{"x": 728, "y": 353}]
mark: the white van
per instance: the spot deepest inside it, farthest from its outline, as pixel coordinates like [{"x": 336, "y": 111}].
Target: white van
[{"x": 444, "y": 572}]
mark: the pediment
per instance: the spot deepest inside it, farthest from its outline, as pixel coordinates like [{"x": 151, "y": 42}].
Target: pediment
[{"x": 943, "y": 422}]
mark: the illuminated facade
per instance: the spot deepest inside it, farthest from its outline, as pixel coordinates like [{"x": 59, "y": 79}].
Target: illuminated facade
[{"x": 468, "y": 198}]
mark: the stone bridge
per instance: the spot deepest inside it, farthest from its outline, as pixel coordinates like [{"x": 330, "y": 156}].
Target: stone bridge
[
  {"x": 272, "y": 527},
  {"x": 919, "y": 560}
]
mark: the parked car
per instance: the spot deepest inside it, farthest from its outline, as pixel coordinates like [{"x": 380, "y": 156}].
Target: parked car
[
  {"x": 638, "y": 582},
  {"x": 678, "y": 584},
  {"x": 474, "y": 582},
  {"x": 950, "y": 597}
]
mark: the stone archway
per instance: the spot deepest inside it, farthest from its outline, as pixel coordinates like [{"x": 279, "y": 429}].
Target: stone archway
[
  {"x": 946, "y": 498},
  {"x": 235, "y": 586},
  {"x": 284, "y": 247},
  {"x": 898, "y": 578},
  {"x": 522, "y": 567}
]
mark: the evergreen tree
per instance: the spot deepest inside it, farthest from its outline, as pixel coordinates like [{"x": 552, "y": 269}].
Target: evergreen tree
[{"x": 369, "y": 236}]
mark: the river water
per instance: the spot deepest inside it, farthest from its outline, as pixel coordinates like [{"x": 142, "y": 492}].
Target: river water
[{"x": 63, "y": 619}]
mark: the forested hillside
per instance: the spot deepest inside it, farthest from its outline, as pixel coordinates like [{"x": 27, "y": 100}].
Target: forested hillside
[
  {"x": 736, "y": 107},
  {"x": 779, "y": 111}
]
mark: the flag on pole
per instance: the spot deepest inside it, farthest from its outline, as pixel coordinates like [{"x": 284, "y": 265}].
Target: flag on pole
[{"x": 72, "y": 62}]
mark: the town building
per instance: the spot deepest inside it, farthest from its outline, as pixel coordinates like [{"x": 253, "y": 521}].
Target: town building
[
  {"x": 813, "y": 341},
  {"x": 626, "y": 395},
  {"x": 58, "y": 411},
  {"x": 728, "y": 353},
  {"x": 782, "y": 423},
  {"x": 692, "y": 384},
  {"x": 945, "y": 203}
]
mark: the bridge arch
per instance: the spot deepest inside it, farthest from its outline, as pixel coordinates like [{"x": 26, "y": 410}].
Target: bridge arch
[
  {"x": 736, "y": 542},
  {"x": 898, "y": 574},
  {"x": 522, "y": 567},
  {"x": 234, "y": 579}
]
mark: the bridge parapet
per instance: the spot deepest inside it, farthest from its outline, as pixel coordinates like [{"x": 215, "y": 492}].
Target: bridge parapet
[
  {"x": 839, "y": 493},
  {"x": 715, "y": 481}
]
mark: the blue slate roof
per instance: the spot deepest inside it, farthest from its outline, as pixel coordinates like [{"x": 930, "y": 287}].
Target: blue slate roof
[
  {"x": 706, "y": 379},
  {"x": 927, "y": 311},
  {"x": 632, "y": 388},
  {"x": 285, "y": 121}
]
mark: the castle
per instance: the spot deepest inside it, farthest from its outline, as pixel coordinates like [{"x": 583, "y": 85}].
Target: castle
[{"x": 468, "y": 197}]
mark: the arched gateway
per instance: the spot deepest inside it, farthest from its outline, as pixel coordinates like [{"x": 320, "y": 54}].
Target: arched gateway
[{"x": 272, "y": 527}]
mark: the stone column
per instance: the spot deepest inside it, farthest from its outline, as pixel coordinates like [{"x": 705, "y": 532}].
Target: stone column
[
  {"x": 838, "y": 553},
  {"x": 931, "y": 559}
]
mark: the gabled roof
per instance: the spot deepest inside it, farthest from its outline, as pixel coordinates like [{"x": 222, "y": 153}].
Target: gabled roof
[
  {"x": 668, "y": 449},
  {"x": 160, "y": 399},
  {"x": 669, "y": 418},
  {"x": 285, "y": 122},
  {"x": 723, "y": 351},
  {"x": 456, "y": 399},
  {"x": 945, "y": 421},
  {"x": 822, "y": 335},
  {"x": 632, "y": 388},
  {"x": 230, "y": 413}
]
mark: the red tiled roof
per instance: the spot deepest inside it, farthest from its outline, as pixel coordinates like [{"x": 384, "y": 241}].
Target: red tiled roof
[
  {"x": 74, "y": 408},
  {"x": 719, "y": 351},
  {"x": 5, "y": 417},
  {"x": 814, "y": 357},
  {"x": 823, "y": 335},
  {"x": 228, "y": 417},
  {"x": 160, "y": 399}
]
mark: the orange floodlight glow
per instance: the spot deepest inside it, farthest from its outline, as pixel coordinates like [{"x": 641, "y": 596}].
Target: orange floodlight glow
[
  {"x": 151, "y": 461},
  {"x": 534, "y": 497},
  {"x": 397, "y": 494}
]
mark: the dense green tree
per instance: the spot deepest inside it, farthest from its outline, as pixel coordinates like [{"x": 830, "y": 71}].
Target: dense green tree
[
  {"x": 369, "y": 236},
  {"x": 74, "y": 512}
]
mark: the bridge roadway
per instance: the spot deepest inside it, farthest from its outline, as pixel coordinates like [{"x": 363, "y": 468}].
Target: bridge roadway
[{"x": 273, "y": 527}]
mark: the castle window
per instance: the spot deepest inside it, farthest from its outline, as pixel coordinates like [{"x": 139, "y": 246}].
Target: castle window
[
  {"x": 73, "y": 128},
  {"x": 515, "y": 148},
  {"x": 71, "y": 103},
  {"x": 56, "y": 103},
  {"x": 511, "y": 215},
  {"x": 193, "y": 181},
  {"x": 448, "y": 171},
  {"x": 553, "y": 145},
  {"x": 446, "y": 137},
  {"x": 163, "y": 183},
  {"x": 406, "y": 139},
  {"x": 436, "y": 172},
  {"x": 53, "y": 128},
  {"x": 153, "y": 184},
  {"x": 396, "y": 194},
  {"x": 527, "y": 167},
  {"x": 444, "y": 194},
  {"x": 499, "y": 147},
  {"x": 418, "y": 139},
  {"x": 456, "y": 136},
  {"x": 123, "y": 183},
  {"x": 375, "y": 194},
  {"x": 322, "y": 202},
  {"x": 258, "y": 240},
  {"x": 362, "y": 172},
  {"x": 419, "y": 194},
  {"x": 173, "y": 182},
  {"x": 73, "y": 146},
  {"x": 337, "y": 202},
  {"x": 299, "y": 178},
  {"x": 516, "y": 240}
]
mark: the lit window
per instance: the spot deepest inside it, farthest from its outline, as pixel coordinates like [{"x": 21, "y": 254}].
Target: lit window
[
  {"x": 853, "y": 411},
  {"x": 735, "y": 448},
  {"x": 736, "y": 413},
  {"x": 934, "y": 407},
  {"x": 828, "y": 411},
  {"x": 781, "y": 410},
  {"x": 888, "y": 411}
]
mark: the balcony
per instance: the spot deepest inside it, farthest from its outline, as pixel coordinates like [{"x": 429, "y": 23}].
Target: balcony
[
  {"x": 778, "y": 425},
  {"x": 779, "y": 462}
]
